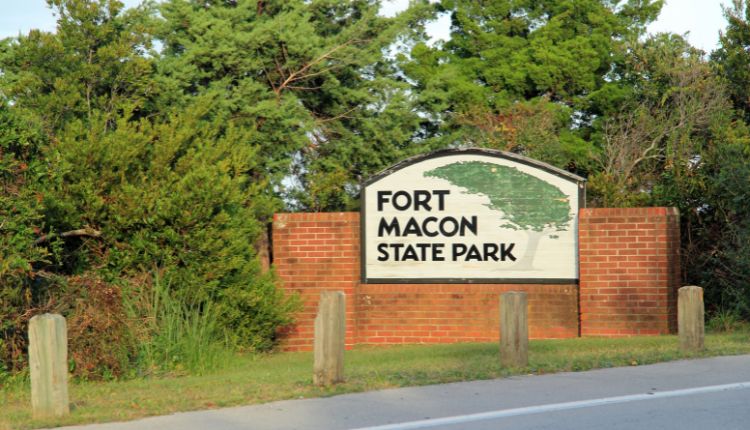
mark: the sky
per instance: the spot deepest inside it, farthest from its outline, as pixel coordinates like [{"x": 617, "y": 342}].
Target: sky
[{"x": 700, "y": 19}]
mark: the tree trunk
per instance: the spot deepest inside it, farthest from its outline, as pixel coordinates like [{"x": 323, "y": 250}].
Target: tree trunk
[{"x": 526, "y": 262}]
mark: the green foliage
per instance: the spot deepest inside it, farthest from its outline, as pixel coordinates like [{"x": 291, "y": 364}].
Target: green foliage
[
  {"x": 92, "y": 66},
  {"x": 99, "y": 178},
  {"x": 307, "y": 77},
  {"x": 715, "y": 222},
  {"x": 536, "y": 128},
  {"x": 180, "y": 195},
  {"x": 667, "y": 120},
  {"x": 677, "y": 143},
  {"x": 528, "y": 49},
  {"x": 505, "y": 55},
  {"x": 95, "y": 63},
  {"x": 21, "y": 220},
  {"x": 732, "y": 59}
]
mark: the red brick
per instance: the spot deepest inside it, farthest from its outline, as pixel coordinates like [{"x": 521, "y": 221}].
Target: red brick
[
  {"x": 628, "y": 268},
  {"x": 646, "y": 257}
]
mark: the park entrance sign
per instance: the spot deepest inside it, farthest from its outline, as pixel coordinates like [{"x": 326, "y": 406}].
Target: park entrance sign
[{"x": 471, "y": 215}]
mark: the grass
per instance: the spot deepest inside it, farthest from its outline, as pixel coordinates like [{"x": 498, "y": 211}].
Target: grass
[
  {"x": 248, "y": 379},
  {"x": 179, "y": 336}
]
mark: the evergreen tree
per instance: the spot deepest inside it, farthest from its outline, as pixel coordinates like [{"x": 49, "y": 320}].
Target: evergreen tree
[
  {"x": 732, "y": 59},
  {"x": 310, "y": 80},
  {"x": 96, "y": 61},
  {"x": 517, "y": 70}
]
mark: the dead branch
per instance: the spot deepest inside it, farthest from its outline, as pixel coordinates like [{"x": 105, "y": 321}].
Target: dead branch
[
  {"x": 334, "y": 118},
  {"x": 303, "y": 72},
  {"x": 259, "y": 7},
  {"x": 87, "y": 232},
  {"x": 651, "y": 129},
  {"x": 294, "y": 87}
]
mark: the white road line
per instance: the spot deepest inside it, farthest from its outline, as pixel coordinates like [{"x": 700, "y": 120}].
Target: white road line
[{"x": 484, "y": 416}]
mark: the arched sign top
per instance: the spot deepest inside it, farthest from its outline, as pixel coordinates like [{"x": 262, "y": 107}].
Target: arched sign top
[
  {"x": 481, "y": 151},
  {"x": 471, "y": 215}
]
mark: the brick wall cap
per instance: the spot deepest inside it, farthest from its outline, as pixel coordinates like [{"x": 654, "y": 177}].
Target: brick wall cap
[
  {"x": 607, "y": 212},
  {"x": 315, "y": 216}
]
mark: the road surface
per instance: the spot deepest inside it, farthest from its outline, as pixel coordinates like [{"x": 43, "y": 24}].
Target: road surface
[{"x": 711, "y": 393}]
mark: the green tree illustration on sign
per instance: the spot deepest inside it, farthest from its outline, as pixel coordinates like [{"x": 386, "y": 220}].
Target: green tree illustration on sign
[{"x": 527, "y": 202}]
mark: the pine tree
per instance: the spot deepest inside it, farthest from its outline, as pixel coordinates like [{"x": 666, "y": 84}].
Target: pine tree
[
  {"x": 96, "y": 61},
  {"x": 517, "y": 71},
  {"x": 311, "y": 80},
  {"x": 732, "y": 59}
]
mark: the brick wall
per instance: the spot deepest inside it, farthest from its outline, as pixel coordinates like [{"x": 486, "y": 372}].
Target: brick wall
[
  {"x": 317, "y": 251},
  {"x": 629, "y": 271},
  {"x": 444, "y": 313},
  {"x": 629, "y": 274}
]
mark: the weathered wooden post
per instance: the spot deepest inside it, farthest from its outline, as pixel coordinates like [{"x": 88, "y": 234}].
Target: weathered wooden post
[
  {"x": 514, "y": 330},
  {"x": 330, "y": 330},
  {"x": 48, "y": 364},
  {"x": 690, "y": 323}
]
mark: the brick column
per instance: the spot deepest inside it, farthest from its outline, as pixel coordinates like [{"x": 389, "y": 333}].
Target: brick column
[
  {"x": 629, "y": 271},
  {"x": 313, "y": 252}
]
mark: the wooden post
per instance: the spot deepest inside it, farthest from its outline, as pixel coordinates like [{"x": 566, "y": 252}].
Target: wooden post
[
  {"x": 330, "y": 330},
  {"x": 514, "y": 330},
  {"x": 690, "y": 323},
  {"x": 48, "y": 364}
]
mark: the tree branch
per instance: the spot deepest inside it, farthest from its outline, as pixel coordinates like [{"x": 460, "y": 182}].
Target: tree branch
[
  {"x": 302, "y": 74},
  {"x": 87, "y": 231}
]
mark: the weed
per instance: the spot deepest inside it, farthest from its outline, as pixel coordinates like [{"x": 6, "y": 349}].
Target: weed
[
  {"x": 178, "y": 337},
  {"x": 725, "y": 321}
]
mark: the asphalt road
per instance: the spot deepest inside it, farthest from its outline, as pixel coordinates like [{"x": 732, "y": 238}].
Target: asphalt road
[{"x": 709, "y": 393}]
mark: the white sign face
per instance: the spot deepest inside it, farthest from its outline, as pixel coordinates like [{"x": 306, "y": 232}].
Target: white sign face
[{"x": 471, "y": 216}]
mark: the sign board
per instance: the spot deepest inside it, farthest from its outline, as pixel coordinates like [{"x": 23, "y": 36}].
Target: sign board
[{"x": 471, "y": 215}]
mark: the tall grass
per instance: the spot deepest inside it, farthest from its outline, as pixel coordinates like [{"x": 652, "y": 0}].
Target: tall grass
[
  {"x": 178, "y": 336},
  {"x": 726, "y": 321}
]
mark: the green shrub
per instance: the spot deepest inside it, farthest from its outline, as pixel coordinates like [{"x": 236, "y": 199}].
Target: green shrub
[
  {"x": 715, "y": 227},
  {"x": 21, "y": 220},
  {"x": 177, "y": 194}
]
